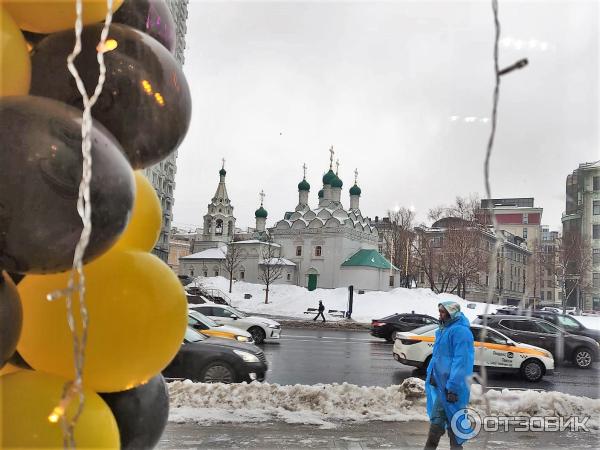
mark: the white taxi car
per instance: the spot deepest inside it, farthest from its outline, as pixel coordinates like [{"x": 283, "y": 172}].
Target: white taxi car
[
  {"x": 497, "y": 353},
  {"x": 260, "y": 328}
]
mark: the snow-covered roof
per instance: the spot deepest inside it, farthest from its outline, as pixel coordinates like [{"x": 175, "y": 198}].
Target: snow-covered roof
[
  {"x": 256, "y": 241},
  {"x": 277, "y": 262},
  {"x": 209, "y": 253}
]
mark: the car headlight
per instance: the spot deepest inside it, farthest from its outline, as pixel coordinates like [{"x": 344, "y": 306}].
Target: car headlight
[
  {"x": 548, "y": 355},
  {"x": 242, "y": 338},
  {"x": 272, "y": 326},
  {"x": 248, "y": 357}
]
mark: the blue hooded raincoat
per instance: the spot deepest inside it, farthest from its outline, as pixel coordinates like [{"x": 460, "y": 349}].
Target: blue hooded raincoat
[{"x": 451, "y": 365}]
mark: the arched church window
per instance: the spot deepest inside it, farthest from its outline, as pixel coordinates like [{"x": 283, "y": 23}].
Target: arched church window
[
  {"x": 219, "y": 227},
  {"x": 192, "y": 272},
  {"x": 220, "y": 210},
  {"x": 318, "y": 250},
  {"x": 230, "y": 228}
]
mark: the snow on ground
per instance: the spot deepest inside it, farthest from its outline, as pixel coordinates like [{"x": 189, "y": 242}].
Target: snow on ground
[
  {"x": 328, "y": 404},
  {"x": 292, "y": 301}
]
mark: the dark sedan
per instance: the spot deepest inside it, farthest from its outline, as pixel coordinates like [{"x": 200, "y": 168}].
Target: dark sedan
[
  {"x": 387, "y": 327},
  {"x": 568, "y": 323},
  {"x": 580, "y": 350},
  {"x": 215, "y": 360}
]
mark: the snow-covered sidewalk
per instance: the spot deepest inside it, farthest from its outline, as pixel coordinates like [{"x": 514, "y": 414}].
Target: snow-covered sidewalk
[{"x": 327, "y": 405}]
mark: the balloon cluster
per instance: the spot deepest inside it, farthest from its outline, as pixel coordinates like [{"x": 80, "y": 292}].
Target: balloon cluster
[{"x": 135, "y": 303}]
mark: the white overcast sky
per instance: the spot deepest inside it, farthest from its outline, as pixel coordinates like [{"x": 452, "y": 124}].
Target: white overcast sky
[{"x": 389, "y": 85}]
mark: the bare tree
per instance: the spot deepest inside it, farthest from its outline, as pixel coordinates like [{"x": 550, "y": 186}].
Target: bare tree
[
  {"x": 271, "y": 265},
  {"x": 399, "y": 239},
  {"x": 573, "y": 264},
  {"x": 454, "y": 257},
  {"x": 232, "y": 261}
]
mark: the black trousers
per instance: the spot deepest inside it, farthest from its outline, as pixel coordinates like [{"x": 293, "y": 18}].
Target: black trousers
[{"x": 320, "y": 314}]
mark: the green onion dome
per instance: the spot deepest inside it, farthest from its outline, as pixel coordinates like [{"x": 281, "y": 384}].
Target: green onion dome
[
  {"x": 261, "y": 212},
  {"x": 321, "y": 193},
  {"x": 222, "y": 172},
  {"x": 303, "y": 186},
  {"x": 355, "y": 190},
  {"x": 336, "y": 182},
  {"x": 328, "y": 177}
]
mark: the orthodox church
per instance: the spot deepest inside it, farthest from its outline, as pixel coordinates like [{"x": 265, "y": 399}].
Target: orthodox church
[{"x": 326, "y": 246}]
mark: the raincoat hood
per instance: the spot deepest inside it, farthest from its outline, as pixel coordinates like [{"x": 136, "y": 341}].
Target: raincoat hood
[{"x": 453, "y": 308}]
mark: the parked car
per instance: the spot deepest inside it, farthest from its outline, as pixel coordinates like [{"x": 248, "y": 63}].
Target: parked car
[
  {"x": 260, "y": 328},
  {"x": 569, "y": 323},
  {"x": 389, "y": 326},
  {"x": 580, "y": 350},
  {"x": 206, "y": 325},
  {"x": 208, "y": 359},
  {"x": 498, "y": 353}
]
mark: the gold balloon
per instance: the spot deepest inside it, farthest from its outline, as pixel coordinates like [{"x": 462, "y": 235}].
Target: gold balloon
[
  {"x": 9, "y": 368},
  {"x": 15, "y": 65},
  {"x": 29, "y": 398},
  {"x": 137, "y": 318},
  {"x": 143, "y": 229},
  {"x": 48, "y": 16}
]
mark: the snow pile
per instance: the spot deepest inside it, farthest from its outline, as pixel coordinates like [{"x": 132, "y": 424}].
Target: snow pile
[
  {"x": 326, "y": 404},
  {"x": 292, "y": 301},
  {"x": 317, "y": 405}
]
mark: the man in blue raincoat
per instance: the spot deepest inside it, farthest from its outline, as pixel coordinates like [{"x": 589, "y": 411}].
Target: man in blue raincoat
[{"x": 451, "y": 366}]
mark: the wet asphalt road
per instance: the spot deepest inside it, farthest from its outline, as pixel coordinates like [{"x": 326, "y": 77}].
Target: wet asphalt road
[{"x": 307, "y": 356}]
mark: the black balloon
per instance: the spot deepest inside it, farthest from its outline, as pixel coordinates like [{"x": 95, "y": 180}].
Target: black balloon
[
  {"x": 141, "y": 413},
  {"x": 150, "y": 16},
  {"x": 11, "y": 317},
  {"x": 40, "y": 172},
  {"x": 17, "y": 360},
  {"x": 145, "y": 103}
]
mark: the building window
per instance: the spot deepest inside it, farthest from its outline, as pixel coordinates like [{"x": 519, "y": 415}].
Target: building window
[
  {"x": 299, "y": 250},
  {"x": 524, "y": 233},
  {"x": 487, "y": 279},
  {"x": 595, "y": 231},
  {"x": 318, "y": 250},
  {"x": 596, "y": 256},
  {"x": 525, "y": 218},
  {"x": 596, "y": 207},
  {"x": 596, "y": 280},
  {"x": 391, "y": 281},
  {"x": 216, "y": 273},
  {"x": 596, "y": 183},
  {"x": 549, "y": 295},
  {"x": 289, "y": 276},
  {"x": 206, "y": 273},
  {"x": 192, "y": 272},
  {"x": 242, "y": 275},
  {"x": 542, "y": 295}
]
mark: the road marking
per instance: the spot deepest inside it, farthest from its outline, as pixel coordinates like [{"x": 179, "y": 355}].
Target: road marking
[{"x": 314, "y": 338}]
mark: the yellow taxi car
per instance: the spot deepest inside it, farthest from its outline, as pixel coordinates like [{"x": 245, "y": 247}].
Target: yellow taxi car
[{"x": 206, "y": 325}]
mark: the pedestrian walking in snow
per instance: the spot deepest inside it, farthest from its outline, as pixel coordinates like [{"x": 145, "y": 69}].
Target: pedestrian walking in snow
[
  {"x": 321, "y": 309},
  {"x": 447, "y": 384}
]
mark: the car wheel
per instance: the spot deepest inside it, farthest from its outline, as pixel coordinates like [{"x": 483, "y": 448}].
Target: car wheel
[
  {"x": 258, "y": 334},
  {"x": 218, "y": 372},
  {"x": 532, "y": 370},
  {"x": 391, "y": 337},
  {"x": 582, "y": 358}
]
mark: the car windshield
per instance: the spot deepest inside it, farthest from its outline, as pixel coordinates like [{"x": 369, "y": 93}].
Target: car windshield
[
  {"x": 193, "y": 336},
  {"x": 568, "y": 323},
  {"x": 237, "y": 312},
  {"x": 204, "y": 319},
  {"x": 424, "y": 329},
  {"x": 548, "y": 328}
]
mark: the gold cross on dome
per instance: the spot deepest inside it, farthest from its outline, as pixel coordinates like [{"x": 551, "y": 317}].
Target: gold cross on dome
[
  {"x": 337, "y": 166},
  {"x": 355, "y": 175},
  {"x": 223, "y": 163},
  {"x": 262, "y": 197},
  {"x": 304, "y": 169},
  {"x": 331, "y": 157}
]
